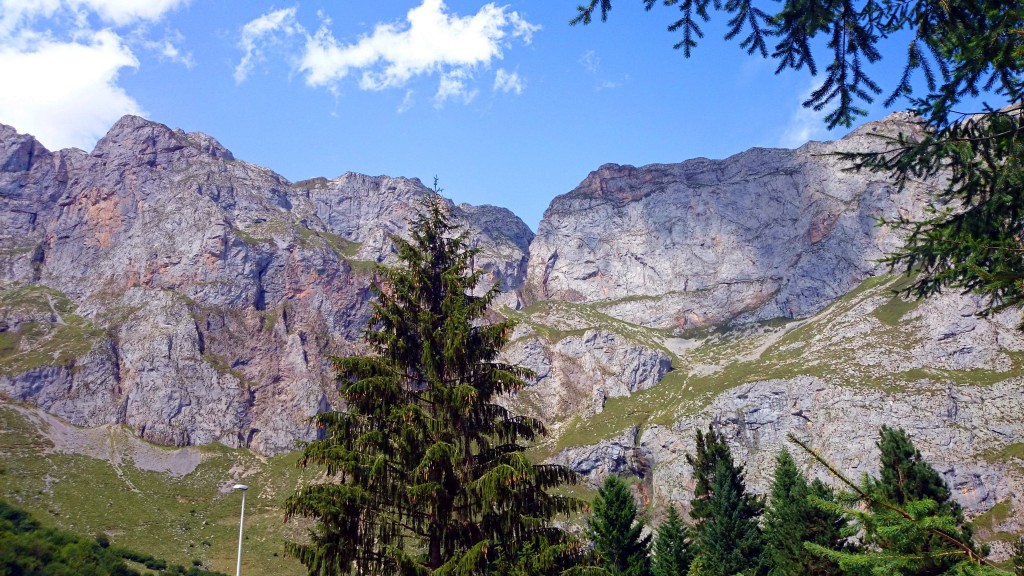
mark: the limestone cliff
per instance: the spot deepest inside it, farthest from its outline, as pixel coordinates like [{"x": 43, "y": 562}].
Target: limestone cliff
[{"x": 161, "y": 283}]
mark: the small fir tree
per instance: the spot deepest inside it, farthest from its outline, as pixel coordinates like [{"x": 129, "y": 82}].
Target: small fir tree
[
  {"x": 619, "y": 546},
  {"x": 1017, "y": 559},
  {"x": 728, "y": 539},
  {"x": 907, "y": 481},
  {"x": 791, "y": 519},
  {"x": 917, "y": 538},
  {"x": 673, "y": 550},
  {"x": 711, "y": 448},
  {"x": 425, "y": 474}
]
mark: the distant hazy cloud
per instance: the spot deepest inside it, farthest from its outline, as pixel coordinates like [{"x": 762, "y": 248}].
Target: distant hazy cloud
[
  {"x": 171, "y": 52},
  {"x": 167, "y": 48},
  {"x": 63, "y": 57},
  {"x": 804, "y": 124},
  {"x": 407, "y": 102},
  {"x": 455, "y": 85},
  {"x": 506, "y": 82},
  {"x": 590, "y": 61},
  {"x": 430, "y": 41},
  {"x": 263, "y": 31}
]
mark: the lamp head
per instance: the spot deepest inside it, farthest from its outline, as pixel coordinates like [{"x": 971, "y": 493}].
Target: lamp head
[{"x": 239, "y": 487}]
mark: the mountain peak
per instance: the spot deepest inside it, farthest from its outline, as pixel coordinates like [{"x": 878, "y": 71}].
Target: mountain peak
[
  {"x": 18, "y": 151},
  {"x": 144, "y": 136}
]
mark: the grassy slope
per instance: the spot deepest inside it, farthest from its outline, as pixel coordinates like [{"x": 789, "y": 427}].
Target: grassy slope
[
  {"x": 176, "y": 518},
  {"x": 722, "y": 360},
  {"x": 192, "y": 517},
  {"x": 57, "y": 337}
]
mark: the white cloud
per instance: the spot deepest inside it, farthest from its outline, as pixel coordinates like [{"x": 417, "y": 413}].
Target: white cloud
[
  {"x": 430, "y": 41},
  {"x": 407, "y": 102},
  {"x": 13, "y": 13},
  {"x": 453, "y": 84},
  {"x": 64, "y": 68},
  {"x": 16, "y": 13},
  {"x": 267, "y": 29},
  {"x": 171, "y": 52},
  {"x": 590, "y": 61},
  {"x": 805, "y": 124},
  {"x": 67, "y": 93},
  {"x": 167, "y": 48},
  {"x": 122, "y": 12},
  {"x": 508, "y": 82}
]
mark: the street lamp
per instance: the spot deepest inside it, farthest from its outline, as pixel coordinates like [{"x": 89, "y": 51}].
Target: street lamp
[{"x": 241, "y": 524}]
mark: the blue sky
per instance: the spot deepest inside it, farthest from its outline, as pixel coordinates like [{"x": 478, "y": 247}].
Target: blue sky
[{"x": 504, "y": 102}]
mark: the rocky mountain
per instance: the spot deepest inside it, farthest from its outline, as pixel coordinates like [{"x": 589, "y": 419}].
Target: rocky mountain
[{"x": 161, "y": 283}]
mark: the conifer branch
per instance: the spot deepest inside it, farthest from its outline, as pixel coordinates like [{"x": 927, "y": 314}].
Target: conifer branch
[{"x": 963, "y": 549}]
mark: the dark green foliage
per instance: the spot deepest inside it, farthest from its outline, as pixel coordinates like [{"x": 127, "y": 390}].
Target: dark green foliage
[
  {"x": 907, "y": 481},
  {"x": 970, "y": 240},
  {"x": 728, "y": 539},
  {"x": 616, "y": 531},
  {"x": 905, "y": 476},
  {"x": 920, "y": 537},
  {"x": 791, "y": 519},
  {"x": 27, "y": 549},
  {"x": 673, "y": 548},
  {"x": 711, "y": 448},
  {"x": 1018, "y": 557},
  {"x": 426, "y": 474},
  {"x": 146, "y": 560},
  {"x": 959, "y": 48}
]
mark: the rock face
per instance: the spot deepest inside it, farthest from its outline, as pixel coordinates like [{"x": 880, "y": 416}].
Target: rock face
[
  {"x": 757, "y": 279},
  {"x": 577, "y": 374},
  {"x": 951, "y": 379},
  {"x": 764, "y": 234},
  {"x": 161, "y": 283}
]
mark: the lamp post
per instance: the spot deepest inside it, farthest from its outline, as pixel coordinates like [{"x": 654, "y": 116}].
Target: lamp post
[{"x": 241, "y": 524}]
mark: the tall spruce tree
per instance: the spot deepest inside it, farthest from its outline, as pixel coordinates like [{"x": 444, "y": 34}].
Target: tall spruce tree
[
  {"x": 673, "y": 547},
  {"x": 728, "y": 538},
  {"x": 425, "y": 474},
  {"x": 791, "y": 519},
  {"x": 619, "y": 546}
]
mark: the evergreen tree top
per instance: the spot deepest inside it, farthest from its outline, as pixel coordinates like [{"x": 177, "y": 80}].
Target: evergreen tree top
[
  {"x": 619, "y": 544},
  {"x": 426, "y": 474},
  {"x": 673, "y": 546}
]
